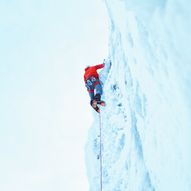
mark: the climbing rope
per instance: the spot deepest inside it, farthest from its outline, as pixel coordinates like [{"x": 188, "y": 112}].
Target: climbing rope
[{"x": 100, "y": 150}]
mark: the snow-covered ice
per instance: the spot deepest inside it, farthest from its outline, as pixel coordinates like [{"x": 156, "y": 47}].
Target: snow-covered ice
[{"x": 146, "y": 125}]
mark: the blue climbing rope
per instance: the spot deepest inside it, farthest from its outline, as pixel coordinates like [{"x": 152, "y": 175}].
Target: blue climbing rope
[{"x": 100, "y": 150}]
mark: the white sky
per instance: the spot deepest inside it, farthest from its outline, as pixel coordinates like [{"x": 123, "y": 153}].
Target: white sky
[{"x": 44, "y": 107}]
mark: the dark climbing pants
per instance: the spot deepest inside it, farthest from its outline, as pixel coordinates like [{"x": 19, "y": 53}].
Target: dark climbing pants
[{"x": 96, "y": 90}]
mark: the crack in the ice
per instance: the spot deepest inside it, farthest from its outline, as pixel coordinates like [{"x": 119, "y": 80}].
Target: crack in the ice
[{"x": 139, "y": 150}]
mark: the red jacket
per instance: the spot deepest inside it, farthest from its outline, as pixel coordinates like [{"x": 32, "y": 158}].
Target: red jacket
[{"x": 92, "y": 71}]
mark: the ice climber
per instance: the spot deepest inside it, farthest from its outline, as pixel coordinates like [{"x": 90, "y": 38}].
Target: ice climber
[{"x": 93, "y": 85}]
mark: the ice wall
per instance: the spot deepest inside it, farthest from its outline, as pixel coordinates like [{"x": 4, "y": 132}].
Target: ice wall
[{"x": 146, "y": 124}]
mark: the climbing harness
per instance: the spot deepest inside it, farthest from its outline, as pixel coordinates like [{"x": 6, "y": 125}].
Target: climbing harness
[{"x": 91, "y": 83}]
